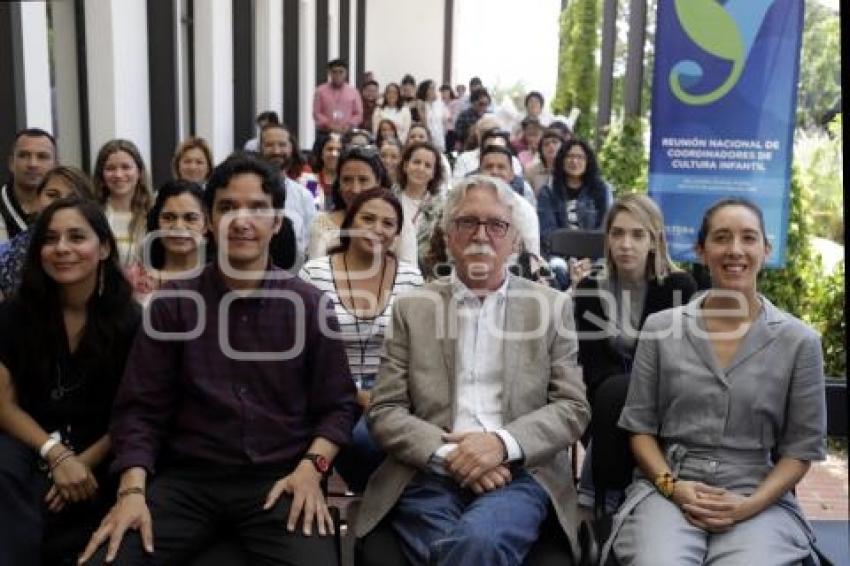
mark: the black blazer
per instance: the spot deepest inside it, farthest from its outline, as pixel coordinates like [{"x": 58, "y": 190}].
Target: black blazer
[{"x": 597, "y": 356}]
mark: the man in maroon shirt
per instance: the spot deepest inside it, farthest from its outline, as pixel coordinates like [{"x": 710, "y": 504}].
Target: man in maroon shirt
[{"x": 234, "y": 401}]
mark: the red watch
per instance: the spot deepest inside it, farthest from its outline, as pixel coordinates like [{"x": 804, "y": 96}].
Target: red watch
[{"x": 322, "y": 465}]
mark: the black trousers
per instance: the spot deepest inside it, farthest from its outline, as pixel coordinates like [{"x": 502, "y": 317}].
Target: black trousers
[
  {"x": 30, "y": 535},
  {"x": 192, "y": 509},
  {"x": 612, "y": 460}
]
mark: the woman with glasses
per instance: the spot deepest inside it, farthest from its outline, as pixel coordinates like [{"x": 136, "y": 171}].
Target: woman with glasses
[
  {"x": 393, "y": 108},
  {"x": 121, "y": 184},
  {"x": 577, "y": 199},
  {"x": 419, "y": 183},
  {"x": 358, "y": 168},
  {"x": 177, "y": 229},
  {"x": 638, "y": 279},
  {"x": 362, "y": 277},
  {"x": 66, "y": 335}
]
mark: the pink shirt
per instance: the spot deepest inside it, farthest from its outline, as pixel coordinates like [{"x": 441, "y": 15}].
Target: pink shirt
[{"x": 341, "y": 105}]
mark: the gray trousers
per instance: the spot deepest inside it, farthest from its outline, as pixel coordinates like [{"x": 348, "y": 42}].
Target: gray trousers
[{"x": 656, "y": 533}]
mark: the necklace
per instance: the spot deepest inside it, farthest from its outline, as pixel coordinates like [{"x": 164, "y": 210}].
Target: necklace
[
  {"x": 364, "y": 344},
  {"x": 62, "y": 387}
]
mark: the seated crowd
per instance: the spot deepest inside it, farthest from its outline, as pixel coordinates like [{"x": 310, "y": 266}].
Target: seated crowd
[{"x": 190, "y": 364}]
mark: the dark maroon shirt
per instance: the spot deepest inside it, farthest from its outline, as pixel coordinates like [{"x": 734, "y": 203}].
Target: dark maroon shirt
[{"x": 188, "y": 401}]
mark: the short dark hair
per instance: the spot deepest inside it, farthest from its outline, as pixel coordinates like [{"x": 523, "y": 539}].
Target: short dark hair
[
  {"x": 723, "y": 203},
  {"x": 296, "y": 161},
  {"x": 269, "y": 116},
  {"x": 33, "y": 133},
  {"x": 495, "y": 133},
  {"x": 237, "y": 164},
  {"x": 370, "y": 82},
  {"x": 533, "y": 94},
  {"x": 408, "y": 80},
  {"x": 475, "y": 82},
  {"x": 487, "y": 150},
  {"x": 337, "y": 63},
  {"x": 478, "y": 94}
]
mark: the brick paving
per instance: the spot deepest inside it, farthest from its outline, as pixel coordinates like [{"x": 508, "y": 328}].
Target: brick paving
[{"x": 823, "y": 492}]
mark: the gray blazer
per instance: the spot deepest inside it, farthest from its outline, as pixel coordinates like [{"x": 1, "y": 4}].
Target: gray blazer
[{"x": 413, "y": 401}]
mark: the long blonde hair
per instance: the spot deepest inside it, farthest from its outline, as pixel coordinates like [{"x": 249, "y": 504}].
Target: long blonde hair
[{"x": 644, "y": 210}]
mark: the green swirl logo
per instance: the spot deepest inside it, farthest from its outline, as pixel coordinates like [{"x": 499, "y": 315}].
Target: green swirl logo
[{"x": 724, "y": 31}]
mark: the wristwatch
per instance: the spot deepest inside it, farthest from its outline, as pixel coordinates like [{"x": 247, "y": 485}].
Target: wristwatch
[{"x": 322, "y": 465}]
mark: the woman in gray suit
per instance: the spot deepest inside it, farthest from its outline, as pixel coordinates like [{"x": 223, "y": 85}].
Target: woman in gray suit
[{"x": 726, "y": 410}]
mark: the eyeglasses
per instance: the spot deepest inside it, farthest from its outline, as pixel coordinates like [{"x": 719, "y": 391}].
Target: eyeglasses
[
  {"x": 576, "y": 157},
  {"x": 494, "y": 227}
]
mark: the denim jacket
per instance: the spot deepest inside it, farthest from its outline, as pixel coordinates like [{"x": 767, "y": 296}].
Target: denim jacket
[{"x": 552, "y": 211}]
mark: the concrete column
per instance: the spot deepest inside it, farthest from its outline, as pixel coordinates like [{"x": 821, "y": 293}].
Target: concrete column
[
  {"x": 36, "y": 65},
  {"x": 333, "y": 31},
  {"x": 117, "y": 63},
  {"x": 214, "y": 75},
  {"x": 353, "y": 32},
  {"x": 269, "y": 55},
  {"x": 307, "y": 71}
]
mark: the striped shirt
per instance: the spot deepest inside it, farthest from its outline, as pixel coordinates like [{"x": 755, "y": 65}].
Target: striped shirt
[{"x": 363, "y": 337}]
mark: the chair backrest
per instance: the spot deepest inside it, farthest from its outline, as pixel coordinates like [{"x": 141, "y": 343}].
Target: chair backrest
[{"x": 577, "y": 243}]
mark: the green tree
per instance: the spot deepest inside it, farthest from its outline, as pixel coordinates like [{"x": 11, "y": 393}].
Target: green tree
[
  {"x": 792, "y": 287},
  {"x": 577, "y": 72},
  {"x": 820, "y": 66},
  {"x": 821, "y": 167},
  {"x": 622, "y": 158}
]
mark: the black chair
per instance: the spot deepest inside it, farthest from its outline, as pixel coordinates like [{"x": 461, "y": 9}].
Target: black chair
[
  {"x": 382, "y": 548},
  {"x": 577, "y": 243}
]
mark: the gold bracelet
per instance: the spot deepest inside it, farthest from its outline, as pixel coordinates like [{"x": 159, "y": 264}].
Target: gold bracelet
[
  {"x": 665, "y": 483},
  {"x": 131, "y": 491}
]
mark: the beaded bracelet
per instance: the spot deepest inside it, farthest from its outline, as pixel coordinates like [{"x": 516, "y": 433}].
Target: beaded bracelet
[{"x": 66, "y": 454}]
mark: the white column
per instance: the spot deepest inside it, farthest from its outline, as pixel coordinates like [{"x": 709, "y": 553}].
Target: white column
[
  {"x": 214, "y": 75},
  {"x": 352, "y": 41},
  {"x": 117, "y": 65},
  {"x": 36, "y": 63},
  {"x": 306, "y": 71},
  {"x": 269, "y": 59},
  {"x": 67, "y": 95},
  {"x": 333, "y": 30}
]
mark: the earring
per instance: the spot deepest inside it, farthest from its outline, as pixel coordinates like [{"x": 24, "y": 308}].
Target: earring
[{"x": 101, "y": 280}]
